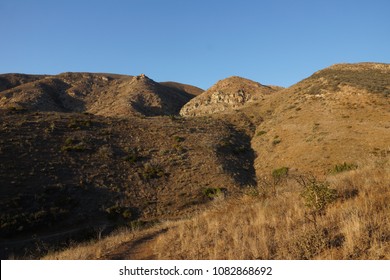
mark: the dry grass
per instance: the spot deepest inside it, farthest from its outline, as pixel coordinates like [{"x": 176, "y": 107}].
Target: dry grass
[
  {"x": 99, "y": 248},
  {"x": 356, "y": 226}
]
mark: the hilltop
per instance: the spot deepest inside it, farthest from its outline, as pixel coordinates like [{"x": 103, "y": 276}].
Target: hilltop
[
  {"x": 226, "y": 95},
  {"x": 99, "y": 94}
]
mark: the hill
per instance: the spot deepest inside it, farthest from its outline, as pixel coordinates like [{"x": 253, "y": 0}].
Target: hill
[
  {"x": 247, "y": 172},
  {"x": 339, "y": 114},
  {"x": 100, "y": 94},
  {"x": 62, "y": 172},
  {"x": 8, "y": 81},
  {"x": 227, "y": 94}
]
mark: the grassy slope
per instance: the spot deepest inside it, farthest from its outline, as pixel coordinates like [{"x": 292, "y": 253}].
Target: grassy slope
[{"x": 277, "y": 226}]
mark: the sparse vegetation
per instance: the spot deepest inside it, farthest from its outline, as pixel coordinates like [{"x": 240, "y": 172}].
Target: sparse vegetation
[
  {"x": 117, "y": 211},
  {"x": 280, "y": 173},
  {"x": 372, "y": 80},
  {"x": 132, "y": 155},
  {"x": 152, "y": 171},
  {"x": 71, "y": 144},
  {"x": 316, "y": 196},
  {"x": 259, "y": 229},
  {"x": 213, "y": 192},
  {"x": 178, "y": 139},
  {"x": 338, "y": 168},
  {"x": 221, "y": 183},
  {"x": 261, "y": 132}
]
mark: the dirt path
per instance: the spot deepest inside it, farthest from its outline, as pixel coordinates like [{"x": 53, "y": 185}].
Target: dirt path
[{"x": 139, "y": 249}]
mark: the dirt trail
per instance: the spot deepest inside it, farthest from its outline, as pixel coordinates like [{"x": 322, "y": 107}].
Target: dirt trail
[{"x": 138, "y": 249}]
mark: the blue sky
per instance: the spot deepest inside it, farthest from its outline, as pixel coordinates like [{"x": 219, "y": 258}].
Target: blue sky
[{"x": 197, "y": 42}]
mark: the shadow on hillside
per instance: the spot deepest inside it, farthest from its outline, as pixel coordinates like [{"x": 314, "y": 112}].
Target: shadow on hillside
[
  {"x": 237, "y": 158},
  {"x": 81, "y": 221}
]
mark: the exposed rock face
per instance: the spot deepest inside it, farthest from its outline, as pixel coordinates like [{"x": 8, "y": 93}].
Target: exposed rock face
[{"x": 231, "y": 93}]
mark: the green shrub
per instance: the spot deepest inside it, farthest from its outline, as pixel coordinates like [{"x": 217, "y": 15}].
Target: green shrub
[
  {"x": 338, "y": 168},
  {"x": 73, "y": 145},
  {"x": 178, "y": 139},
  {"x": 252, "y": 191},
  {"x": 280, "y": 173},
  {"x": 212, "y": 192},
  {"x": 261, "y": 132},
  {"x": 317, "y": 196},
  {"x": 77, "y": 124},
  {"x": 152, "y": 171}
]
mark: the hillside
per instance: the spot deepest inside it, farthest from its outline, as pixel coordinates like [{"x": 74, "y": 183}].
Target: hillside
[
  {"x": 339, "y": 114},
  {"x": 246, "y": 172},
  {"x": 226, "y": 95},
  {"x": 100, "y": 94},
  {"x": 66, "y": 171}
]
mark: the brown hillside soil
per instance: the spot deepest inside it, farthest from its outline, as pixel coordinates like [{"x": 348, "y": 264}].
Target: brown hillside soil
[{"x": 62, "y": 170}]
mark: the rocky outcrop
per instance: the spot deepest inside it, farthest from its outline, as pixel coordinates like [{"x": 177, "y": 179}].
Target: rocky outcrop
[{"x": 228, "y": 94}]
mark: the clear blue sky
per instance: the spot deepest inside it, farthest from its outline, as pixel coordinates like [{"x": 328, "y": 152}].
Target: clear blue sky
[{"x": 197, "y": 42}]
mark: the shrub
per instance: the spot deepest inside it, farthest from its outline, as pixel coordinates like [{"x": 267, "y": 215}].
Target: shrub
[
  {"x": 252, "y": 191},
  {"x": 239, "y": 149},
  {"x": 178, "y": 139},
  {"x": 78, "y": 124},
  {"x": 268, "y": 184},
  {"x": 280, "y": 173},
  {"x": 151, "y": 171},
  {"x": 213, "y": 192},
  {"x": 72, "y": 145},
  {"x": 261, "y": 132},
  {"x": 317, "y": 196},
  {"x": 338, "y": 168},
  {"x": 132, "y": 155},
  {"x": 116, "y": 212}
]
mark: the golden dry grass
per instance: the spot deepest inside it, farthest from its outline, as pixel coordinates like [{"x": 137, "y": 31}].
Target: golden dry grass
[
  {"x": 355, "y": 226},
  {"x": 99, "y": 248}
]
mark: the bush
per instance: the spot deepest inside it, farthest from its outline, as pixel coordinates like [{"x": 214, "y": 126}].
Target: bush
[
  {"x": 213, "y": 192},
  {"x": 178, "y": 139},
  {"x": 317, "y": 196},
  {"x": 261, "y": 132},
  {"x": 132, "y": 155},
  {"x": 280, "y": 173},
  {"x": 73, "y": 145},
  {"x": 268, "y": 184},
  {"x": 338, "y": 168},
  {"x": 116, "y": 212},
  {"x": 151, "y": 171}
]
